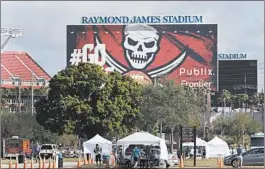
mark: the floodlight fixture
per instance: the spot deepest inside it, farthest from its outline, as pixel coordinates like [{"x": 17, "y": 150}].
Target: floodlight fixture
[
  {"x": 13, "y": 32},
  {"x": 10, "y": 33}
]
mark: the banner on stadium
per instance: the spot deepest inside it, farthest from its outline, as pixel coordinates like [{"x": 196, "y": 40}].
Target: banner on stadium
[{"x": 186, "y": 54}]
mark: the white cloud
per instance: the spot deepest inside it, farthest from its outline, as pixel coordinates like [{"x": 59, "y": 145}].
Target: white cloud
[{"x": 240, "y": 24}]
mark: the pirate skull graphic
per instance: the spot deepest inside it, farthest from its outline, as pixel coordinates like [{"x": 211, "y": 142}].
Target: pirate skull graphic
[{"x": 141, "y": 43}]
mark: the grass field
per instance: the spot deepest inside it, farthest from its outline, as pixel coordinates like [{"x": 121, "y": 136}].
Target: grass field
[
  {"x": 211, "y": 163},
  {"x": 205, "y": 163}
]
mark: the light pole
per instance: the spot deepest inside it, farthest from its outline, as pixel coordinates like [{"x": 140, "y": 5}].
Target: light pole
[
  {"x": 32, "y": 94},
  {"x": 9, "y": 33}
]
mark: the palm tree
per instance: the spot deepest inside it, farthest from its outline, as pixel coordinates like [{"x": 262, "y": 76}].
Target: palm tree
[
  {"x": 242, "y": 100},
  {"x": 232, "y": 103},
  {"x": 253, "y": 102},
  {"x": 224, "y": 98}
]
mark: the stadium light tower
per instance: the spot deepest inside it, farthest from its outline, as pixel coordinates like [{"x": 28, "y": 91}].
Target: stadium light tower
[{"x": 9, "y": 33}]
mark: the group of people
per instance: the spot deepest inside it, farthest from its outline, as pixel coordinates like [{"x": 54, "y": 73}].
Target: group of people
[
  {"x": 190, "y": 152},
  {"x": 136, "y": 154}
]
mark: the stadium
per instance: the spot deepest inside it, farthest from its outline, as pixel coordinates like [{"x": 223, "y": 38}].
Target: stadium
[{"x": 185, "y": 105}]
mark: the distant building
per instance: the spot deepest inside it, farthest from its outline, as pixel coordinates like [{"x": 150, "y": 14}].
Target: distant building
[
  {"x": 238, "y": 76},
  {"x": 19, "y": 70}
]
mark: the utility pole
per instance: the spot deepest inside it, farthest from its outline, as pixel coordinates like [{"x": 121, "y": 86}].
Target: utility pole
[
  {"x": 262, "y": 111},
  {"x": 161, "y": 127},
  {"x": 19, "y": 95},
  {"x": 32, "y": 94},
  {"x": 208, "y": 106},
  {"x": 207, "y": 113},
  {"x": 245, "y": 81}
]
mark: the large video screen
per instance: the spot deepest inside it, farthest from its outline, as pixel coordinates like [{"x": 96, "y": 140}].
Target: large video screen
[
  {"x": 238, "y": 76},
  {"x": 186, "y": 54}
]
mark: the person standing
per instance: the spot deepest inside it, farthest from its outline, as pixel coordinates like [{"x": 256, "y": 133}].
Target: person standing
[
  {"x": 136, "y": 154},
  {"x": 37, "y": 151},
  {"x": 239, "y": 156},
  {"x": 98, "y": 152},
  {"x": 203, "y": 153}
]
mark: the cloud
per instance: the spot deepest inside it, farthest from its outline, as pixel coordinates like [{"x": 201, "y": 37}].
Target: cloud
[{"x": 240, "y": 24}]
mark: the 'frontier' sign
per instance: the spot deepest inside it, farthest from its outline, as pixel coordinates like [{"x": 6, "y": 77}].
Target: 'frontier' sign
[{"x": 232, "y": 56}]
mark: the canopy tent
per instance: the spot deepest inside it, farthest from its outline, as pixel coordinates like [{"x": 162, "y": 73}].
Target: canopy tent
[
  {"x": 217, "y": 147},
  {"x": 103, "y": 143},
  {"x": 199, "y": 143},
  {"x": 145, "y": 138}
]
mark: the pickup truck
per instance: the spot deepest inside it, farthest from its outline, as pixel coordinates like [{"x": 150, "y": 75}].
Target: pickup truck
[{"x": 48, "y": 151}]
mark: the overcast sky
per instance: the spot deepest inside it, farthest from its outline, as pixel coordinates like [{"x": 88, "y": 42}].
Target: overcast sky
[{"x": 240, "y": 25}]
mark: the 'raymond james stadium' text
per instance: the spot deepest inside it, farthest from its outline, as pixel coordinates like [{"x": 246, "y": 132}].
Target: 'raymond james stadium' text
[{"x": 140, "y": 19}]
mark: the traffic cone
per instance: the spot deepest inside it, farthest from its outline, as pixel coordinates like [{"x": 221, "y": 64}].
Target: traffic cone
[
  {"x": 86, "y": 162},
  {"x": 114, "y": 160},
  {"x": 53, "y": 163},
  {"x": 16, "y": 165},
  {"x": 50, "y": 163},
  {"x": 10, "y": 164},
  {"x": 91, "y": 161},
  {"x": 31, "y": 164},
  {"x": 181, "y": 164},
  {"x": 25, "y": 163},
  {"x": 40, "y": 163},
  {"x": 220, "y": 163},
  {"x": 43, "y": 163},
  {"x": 79, "y": 163}
]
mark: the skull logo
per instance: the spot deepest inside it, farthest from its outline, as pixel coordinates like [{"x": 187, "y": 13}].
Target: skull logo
[{"x": 141, "y": 43}]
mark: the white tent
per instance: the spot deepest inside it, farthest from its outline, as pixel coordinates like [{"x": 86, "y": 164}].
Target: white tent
[
  {"x": 199, "y": 143},
  {"x": 145, "y": 138},
  {"x": 103, "y": 143},
  {"x": 217, "y": 147}
]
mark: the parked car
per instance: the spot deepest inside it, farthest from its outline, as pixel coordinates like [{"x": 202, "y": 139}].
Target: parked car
[
  {"x": 253, "y": 157},
  {"x": 173, "y": 159},
  {"x": 48, "y": 151}
]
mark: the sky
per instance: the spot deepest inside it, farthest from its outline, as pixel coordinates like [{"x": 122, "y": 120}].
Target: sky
[{"x": 240, "y": 25}]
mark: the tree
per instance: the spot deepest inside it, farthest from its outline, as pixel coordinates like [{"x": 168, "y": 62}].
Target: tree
[
  {"x": 84, "y": 100},
  {"x": 151, "y": 107},
  {"x": 242, "y": 100},
  {"x": 236, "y": 126},
  {"x": 224, "y": 98},
  {"x": 253, "y": 102},
  {"x": 67, "y": 140},
  {"x": 170, "y": 105},
  {"x": 24, "y": 125}
]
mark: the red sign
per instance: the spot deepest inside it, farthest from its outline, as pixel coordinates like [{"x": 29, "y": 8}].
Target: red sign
[{"x": 186, "y": 54}]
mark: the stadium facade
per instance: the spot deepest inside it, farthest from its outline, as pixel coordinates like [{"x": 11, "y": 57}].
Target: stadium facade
[
  {"x": 20, "y": 71},
  {"x": 238, "y": 76}
]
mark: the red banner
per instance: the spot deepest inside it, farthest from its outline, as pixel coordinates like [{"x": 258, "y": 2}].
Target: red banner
[{"x": 186, "y": 54}]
